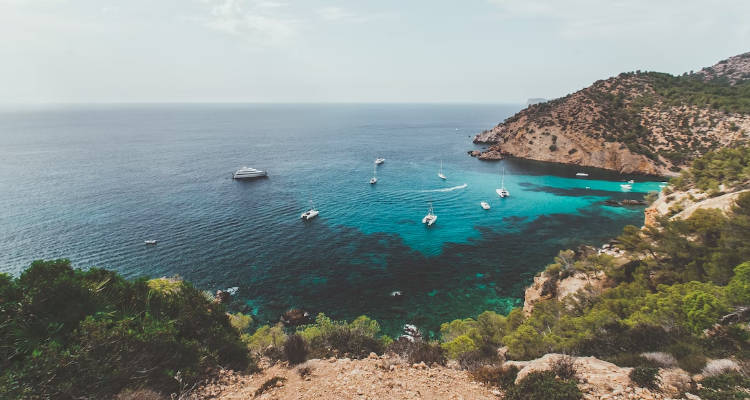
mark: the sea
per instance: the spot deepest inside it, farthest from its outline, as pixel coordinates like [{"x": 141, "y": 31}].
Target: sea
[{"x": 91, "y": 183}]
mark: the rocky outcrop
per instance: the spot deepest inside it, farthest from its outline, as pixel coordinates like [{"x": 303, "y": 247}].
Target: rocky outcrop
[
  {"x": 627, "y": 123},
  {"x": 544, "y": 287},
  {"x": 682, "y": 204}
]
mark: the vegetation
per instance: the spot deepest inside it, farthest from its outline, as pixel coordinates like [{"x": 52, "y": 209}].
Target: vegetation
[
  {"x": 728, "y": 166},
  {"x": 544, "y": 385},
  {"x": 647, "y": 377},
  {"x": 69, "y": 333}
]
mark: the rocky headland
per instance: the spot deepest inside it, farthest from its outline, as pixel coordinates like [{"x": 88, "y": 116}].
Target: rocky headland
[{"x": 637, "y": 122}]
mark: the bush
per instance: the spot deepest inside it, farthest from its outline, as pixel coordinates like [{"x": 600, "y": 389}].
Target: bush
[
  {"x": 429, "y": 353},
  {"x": 474, "y": 359},
  {"x": 727, "y": 386},
  {"x": 718, "y": 367},
  {"x": 74, "y": 333},
  {"x": 295, "y": 349},
  {"x": 502, "y": 376},
  {"x": 358, "y": 339},
  {"x": 543, "y": 385},
  {"x": 647, "y": 377},
  {"x": 564, "y": 367}
]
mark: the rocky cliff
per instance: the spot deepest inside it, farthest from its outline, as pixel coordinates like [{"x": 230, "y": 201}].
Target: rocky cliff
[{"x": 637, "y": 122}]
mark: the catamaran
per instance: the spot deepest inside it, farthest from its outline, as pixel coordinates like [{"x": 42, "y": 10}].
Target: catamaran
[
  {"x": 430, "y": 218},
  {"x": 379, "y": 160},
  {"x": 502, "y": 192},
  {"x": 374, "y": 178},
  {"x": 440, "y": 174},
  {"x": 311, "y": 213},
  {"x": 485, "y": 205}
]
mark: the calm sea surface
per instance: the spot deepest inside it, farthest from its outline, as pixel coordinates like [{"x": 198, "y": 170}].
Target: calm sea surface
[{"x": 92, "y": 183}]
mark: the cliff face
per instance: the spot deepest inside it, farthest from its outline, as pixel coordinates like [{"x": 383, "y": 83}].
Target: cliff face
[{"x": 641, "y": 122}]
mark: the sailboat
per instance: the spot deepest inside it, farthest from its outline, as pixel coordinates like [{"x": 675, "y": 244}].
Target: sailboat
[
  {"x": 311, "y": 213},
  {"x": 440, "y": 174},
  {"x": 374, "y": 178},
  {"x": 502, "y": 192},
  {"x": 430, "y": 218}
]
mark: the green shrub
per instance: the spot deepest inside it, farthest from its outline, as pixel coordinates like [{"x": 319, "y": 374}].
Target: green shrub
[
  {"x": 458, "y": 346},
  {"x": 328, "y": 338},
  {"x": 295, "y": 349},
  {"x": 428, "y": 353},
  {"x": 727, "y": 386},
  {"x": 502, "y": 376},
  {"x": 543, "y": 385},
  {"x": 73, "y": 333},
  {"x": 647, "y": 377}
]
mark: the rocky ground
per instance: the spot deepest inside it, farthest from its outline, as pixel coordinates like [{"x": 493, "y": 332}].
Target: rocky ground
[
  {"x": 390, "y": 377},
  {"x": 385, "y": 377}
]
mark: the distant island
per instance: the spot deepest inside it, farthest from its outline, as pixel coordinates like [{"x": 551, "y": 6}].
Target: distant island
[{"x": 637, "y": 122}]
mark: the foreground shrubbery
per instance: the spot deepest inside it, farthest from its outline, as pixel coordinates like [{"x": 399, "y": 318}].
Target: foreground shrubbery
[{"x": 69, "y": 333}]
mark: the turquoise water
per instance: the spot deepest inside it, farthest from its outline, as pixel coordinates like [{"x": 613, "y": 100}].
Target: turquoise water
[{"x": 91, "y": 183}]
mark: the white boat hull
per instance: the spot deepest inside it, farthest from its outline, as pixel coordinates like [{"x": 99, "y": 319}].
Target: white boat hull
[
  {"x": 429, "y": 219},
  {"x": 502, "y": 192},
  {"x": 373, "y": 181},
  {"x": 485, "y": 205},
  {"x": 442, "y": 176},
  {"x": 310, "y": 214}
]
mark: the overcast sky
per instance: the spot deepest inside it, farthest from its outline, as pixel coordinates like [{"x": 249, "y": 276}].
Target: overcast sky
[{"x": 500, "y": 51}]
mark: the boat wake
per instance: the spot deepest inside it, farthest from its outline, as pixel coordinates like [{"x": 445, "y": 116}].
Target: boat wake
[{"x": 450, "y": 189}]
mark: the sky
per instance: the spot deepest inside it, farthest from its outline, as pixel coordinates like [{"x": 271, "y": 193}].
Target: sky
[{"x": 484, "y": 51}]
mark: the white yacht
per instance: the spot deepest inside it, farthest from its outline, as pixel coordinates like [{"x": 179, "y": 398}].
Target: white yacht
[
  {"x": 440, "y": 174},
  {"x": 248, "y": 173},
  {"x": 502, "y": 191},
  {"x": 485, "y": 205},
  {"x": 626, "y": 186},
  {"x": 582, "y": 174},
  {"x": 430, "y": 218},
  {"x": 310, "y": 214},
  {"x": 149, "y": 241},
  {"x": 379, "y": 160},
  {"x": 374, "y": 178}
]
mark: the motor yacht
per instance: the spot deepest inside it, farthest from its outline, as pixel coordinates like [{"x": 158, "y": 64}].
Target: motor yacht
[
  {"x": 485, "y": 205},
  {"x": 248, "y": 173}
]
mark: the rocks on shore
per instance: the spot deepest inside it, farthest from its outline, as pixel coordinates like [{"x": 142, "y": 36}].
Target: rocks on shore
[
  {"x": 626, "y": 202},
  {"x": 491, "y": 155},
  {"x": 295, "y": 317}
]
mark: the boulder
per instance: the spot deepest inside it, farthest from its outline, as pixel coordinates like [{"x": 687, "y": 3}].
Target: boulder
[
  {"x": 222, "y": 297},
  {"x": 295, "y": 317}
]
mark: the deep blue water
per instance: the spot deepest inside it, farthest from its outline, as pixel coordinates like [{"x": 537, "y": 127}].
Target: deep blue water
[{"x": 92, "y": 183}]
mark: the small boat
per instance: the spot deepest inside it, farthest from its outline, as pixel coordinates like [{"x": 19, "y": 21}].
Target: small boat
[
  {"x": 582, "y": 174},
  {"x": 374, "y": 178},
  {"x": 430, "y": 218},
  {"x": 485, "y": 205},
  {"x": 626, "y": 186},
  {"x": 149, "y": 241},
  {"x": 440, "y": 174},
  {"x": 502, "y": 191},
  {"x": 631, "y": 181},
  {"x": 379, "y": 160},
  {"x": 311, "y": 213},
  {"x": 248, "y": 173}
]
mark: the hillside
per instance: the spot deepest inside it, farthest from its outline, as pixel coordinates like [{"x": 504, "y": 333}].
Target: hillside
[{"x": 636, "y": 122}]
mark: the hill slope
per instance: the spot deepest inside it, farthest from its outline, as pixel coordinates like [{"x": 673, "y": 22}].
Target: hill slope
[{"x": 636, "y": 122}]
